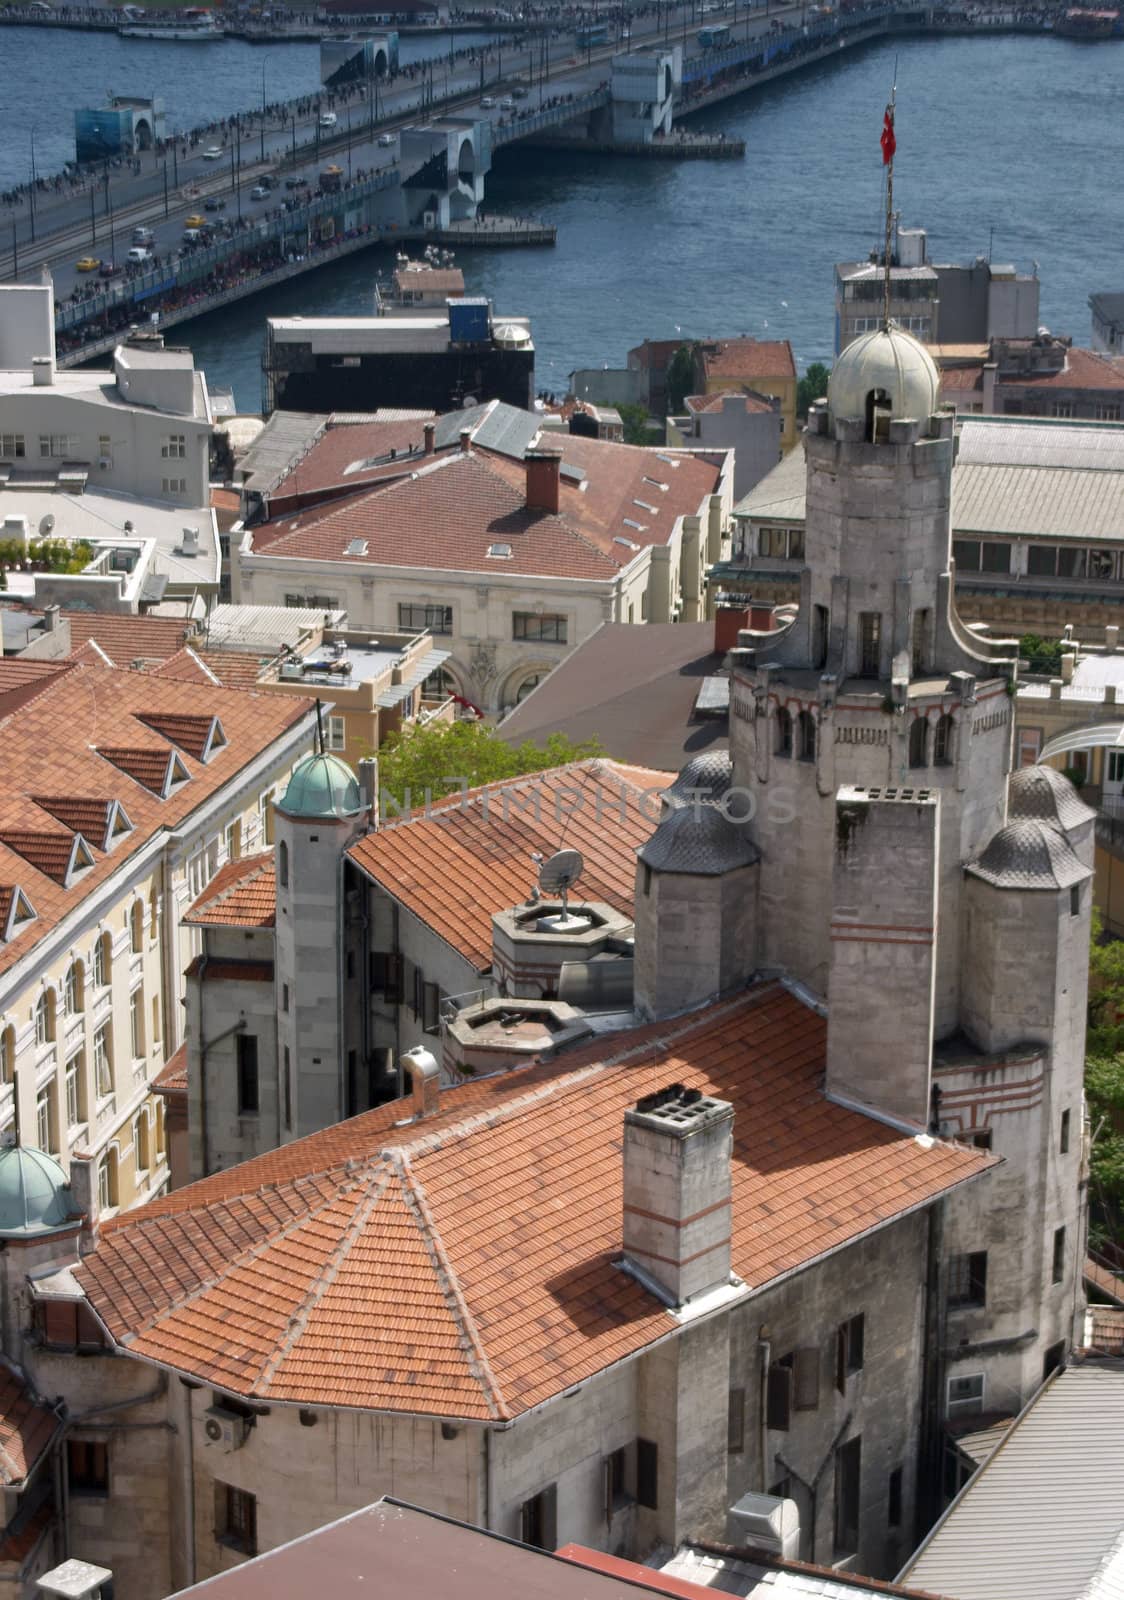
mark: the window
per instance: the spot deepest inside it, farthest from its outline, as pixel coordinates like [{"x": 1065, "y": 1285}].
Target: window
[
  {"x": 45, "y": 1017},
  {"x": 849, "y": 1339},
  {"x": 848, "y": 1474},
  {"x": 153, "y": 913},
  {"x": 981, "y": 1139},
  {"x": 894, "y": 1499},
  {"x": 648, "y": 1474},
  {"x": 538, "y": 1519},
  {"x": 1116, "y": 766},
  {"x": 284, "y": 997},
  {"x": 1057, "y": 1268},
  {"x": 247, "y": 1050},
  {"x": 820, "y": 633},
  {"x": 136, "y": 1022},
  {"x": 103, "y": 1062},
  {"x": 806, "y": 741},
  {"x": 136, "y": 928},
  {"x": 943, "y": 741},
  {"x": 966, "y": 1395},
  {"x": 173, "y": 485},
  {"x": 107, "y": 1181},
  {"x": 337, "y": 733},
  {"x": 87, "y": 1466},
  {"x": 44, "y": 1130},
  {"x": 1063, "y": 1137},
  {"x": 283, "y": 865},
  {"x": 72, "y": 989},
  {"x": 265, "y": 807},
  {"x": 967, "y": 1279},
  {"x": 142, "y": 1158},
  {"x": 236, "y": 1519},
  {"x": 58, "y": 445},
  {"x": 155, "y": 1019},
  {"x": 786, "y": 544},
  {"x": 971, "y": 555},
  {"x": 13, "y": 445},
  {"x": 531, "y": 625},
  {"x": 784, "y": 732},
  {"x": 616, "y": 1484},
  {"x": 8, "y": 1055},
  {"x": 919, "y": 742},
  {"x": 159, "y": 1128},
  {"x": 532, "y": 681},
  {"x": 174, "y": 447},
  {"x": 1042, "y": 560},
  {"x": 76, "y": 1090},
  {"x": 1062, "y": 408},
  {"x": 1102, "y": 411},
  {"x": 778, "y": 1398},
  {"x": 806, "y": 1378},
  {"x": 870, "y": 643},
  {"x": 920, "y": 642},
  {"x": 105, "y": 450},
  {"x": 735, "y": 1422},
  {"x": 1053, "y": 1359},
  {"x": 232, "y": 840},
  {"x": 103, "y": 961},
  {"x": 416, "y": 618}
]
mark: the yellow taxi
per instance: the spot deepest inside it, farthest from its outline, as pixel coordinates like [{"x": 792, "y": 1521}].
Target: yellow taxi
[
  {"x": 88, "y": 264},
  {"x": 195, "y": 221}
]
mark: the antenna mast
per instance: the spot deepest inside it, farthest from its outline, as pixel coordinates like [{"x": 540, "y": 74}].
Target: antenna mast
[
  {"x": 319, "y": 727},
  {"x": 889, "y": 145}
]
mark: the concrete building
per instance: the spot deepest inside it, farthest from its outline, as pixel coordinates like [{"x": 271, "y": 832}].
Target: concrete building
[
  {"x": 760, "y": 367},
  {"x": 751, "y": 425},
  {"x": 1108, "y": 323},
  {"x": 1035, "y": 376}
]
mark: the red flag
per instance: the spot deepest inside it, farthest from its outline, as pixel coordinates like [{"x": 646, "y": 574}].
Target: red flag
[{"x": 888, "y": 142}]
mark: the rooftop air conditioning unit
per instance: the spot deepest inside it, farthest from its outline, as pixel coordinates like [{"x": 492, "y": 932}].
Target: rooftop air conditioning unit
[
  {"x": 189, "y": 542},
  {"x": 225, "y": 1428},
  {"x": 766, "y": 1522}
]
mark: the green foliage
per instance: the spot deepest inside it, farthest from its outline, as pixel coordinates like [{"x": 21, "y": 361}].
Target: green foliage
[
  {"x": 1104, "y": 1086},
  {"x": 680, "y": 377},
  {"x": 1042, "y": 655},
  {"x": 57, "y": 555},
  {"x": 812, "y": 386},
  {"x": 443, "y": 757},
  {"x": 635, "y": 419}
]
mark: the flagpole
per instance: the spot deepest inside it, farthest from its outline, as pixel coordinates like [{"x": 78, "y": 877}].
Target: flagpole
[{"x": 889, "y": 145}]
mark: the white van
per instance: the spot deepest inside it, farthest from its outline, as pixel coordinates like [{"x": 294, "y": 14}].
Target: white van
[
  {"x": 138, "y": 255},
  {"x": 328, "y": 119}
]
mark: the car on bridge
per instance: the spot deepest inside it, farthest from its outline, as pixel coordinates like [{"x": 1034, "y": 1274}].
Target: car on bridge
[
  {"x": 296, "y": 183},
  {"x": 214, "y": 202},
  {"x": 213, "y": 152},
  {"x": 259, "y": 192},
  {"x": 328, "y": 119},
  {"x": 386, "y": 140},
  {"x": 87, "y": 264},
  {"x": 109, "y": 269},
  {"x": 488, "y": 101},
  {"x": 143, "y": 236},
  {"x": 195, "y": 221}
]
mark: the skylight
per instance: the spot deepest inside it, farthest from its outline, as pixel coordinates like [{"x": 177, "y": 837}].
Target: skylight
[
  {"x": 670, "y": 460},
  {"x": 655, "y": 482},
  {"x": 644, "y": 506},
  {"x": 630, "y": 522},
  {"x": 357, "y": 547},
  {"x": 629, "y": 544},
  {"x": 500, "y": 552}
]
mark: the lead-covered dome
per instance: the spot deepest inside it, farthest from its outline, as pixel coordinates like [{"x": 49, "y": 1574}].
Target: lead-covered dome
[
  {"x": 322, "y": 786},
  {"x": 699, "y": 841},
  {"x": 1029, "y": 854},
  {"x": 34, "y": 1194},
  {"x": 889, "y": 360},
  {"x": 1047, "y": 794}
]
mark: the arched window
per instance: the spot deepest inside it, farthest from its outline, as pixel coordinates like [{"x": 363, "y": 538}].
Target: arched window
[
  {"x": 283, "y": 865},
  {"x": 153, "y": 912},
  {"x": 159, "y": 1127},
  {"x": 74, "y": 989},
  {"x": 919, "y": 742},
  {"x": 107, "y": 1180},
  {"x": 944, "y": 741},
  {"x": 8, "y": 1055},
  {"x": 141, "y": 1155},
  {"x": 784, "y": 732},
  {"x": 45, "y": 1017},
  {"x": 529, "y": 683},
  {"x": 103, "y": 961},
  {"x": 136, "y": 927},
  {"x": 806, "y": 736}
]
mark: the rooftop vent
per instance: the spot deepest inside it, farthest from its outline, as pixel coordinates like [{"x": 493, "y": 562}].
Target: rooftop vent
[{"x": 189, "y": 542}]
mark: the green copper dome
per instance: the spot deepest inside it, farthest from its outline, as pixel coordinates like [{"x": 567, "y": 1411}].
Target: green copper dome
[
  {"x": 34, "y": 1194},
  {"x": 322, "y": 786}
]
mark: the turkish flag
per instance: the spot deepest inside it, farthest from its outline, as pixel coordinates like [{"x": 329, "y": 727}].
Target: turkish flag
[{"x": 888, "y": 142}]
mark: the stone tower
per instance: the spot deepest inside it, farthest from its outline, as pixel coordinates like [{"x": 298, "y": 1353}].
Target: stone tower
[{"x": 320, "y": 814}]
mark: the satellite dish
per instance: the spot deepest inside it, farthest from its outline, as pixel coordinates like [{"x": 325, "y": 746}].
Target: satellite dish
[
  {"x": 47, "y": 523},
  {"x": 559, "y": 872}
]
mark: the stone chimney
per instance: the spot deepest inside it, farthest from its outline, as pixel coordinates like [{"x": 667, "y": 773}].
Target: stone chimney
[
  {"x": 51, "y": 616},
  {"x": 425, "y": 1081},
  {"x": 1111, "y": 639},
  {"x": 84, "y": 1189},
  {"x": 466, "y": 441},
  {"x": 544, "y": 480},
  {"x": 677, "y": 1147},
  {"x": 430, "y": 433}
]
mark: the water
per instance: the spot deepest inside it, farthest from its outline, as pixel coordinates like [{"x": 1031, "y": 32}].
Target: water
[{"x": 1009, "y": 141}]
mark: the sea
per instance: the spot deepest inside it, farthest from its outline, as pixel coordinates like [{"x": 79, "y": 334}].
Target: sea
[{"x": 1007, "y": 147}]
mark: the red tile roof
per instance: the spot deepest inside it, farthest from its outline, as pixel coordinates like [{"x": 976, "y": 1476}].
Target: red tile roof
[
  {"x": 27, "y": 1427},
  {"x": 89, "y": 817},
  {"x": 464, "y": 1265},
  {"x": 190, "y": 731},
  {"x": 126, "y": 639},
  {"x": 172, "y": 1077},
  {"x": 83, "y": 737},
  {"x": 698, "y": 403},
  {"x": 961, "y": 380},
  {"x": 243, "y": 894},
  {"x": 435, "y": 866},
  {"x": 748, "y": 358},
  {"x": 342, "y": 447},
  {"x": 1084, "y": 369},
  {"x": 21, "y": 680},
  {"x": 186, "y": 665}
]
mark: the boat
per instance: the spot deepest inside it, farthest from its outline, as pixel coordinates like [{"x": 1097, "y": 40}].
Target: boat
[
  {"x": 191, "y": 27},
  {"x": 425, "y": 285},
  {"x": 1079, "y": 23}
]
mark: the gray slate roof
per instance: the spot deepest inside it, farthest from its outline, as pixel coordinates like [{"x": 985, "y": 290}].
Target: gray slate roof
[
  {"x": 1029, "y": 854},
  {"x": 712, "y": 772},
  {"x": 1043, "y": 1519},
  {"x": 1045, "y": 793},
  {"x": 698, "y": 841}
]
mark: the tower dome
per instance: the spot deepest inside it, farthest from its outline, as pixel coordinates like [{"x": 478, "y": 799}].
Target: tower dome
[
  {"x": 1044, "y": 793},
  {"x": 1029, "y": 854},
  {"x": 705, "y": 779},
  {"x": 698, "y": 841},
  {"x": 34, "y": 1195},
  {"x": 889, "y": 361},
  {"x": 322, "y": 786}
]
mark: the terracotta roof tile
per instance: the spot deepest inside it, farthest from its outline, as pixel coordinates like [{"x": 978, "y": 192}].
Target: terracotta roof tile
[
  {"x": 748, "y": 358},
  {"x": 88, "y": 816},
  {"x": 172, "y": 1077},
  {"x": 434, "y": 865},
  {"x": 49, "y": 853},
  {"x": 129, "y": 638},
  {"x": 27, "y": 1427},
  {"x": 22, "y": 680},
  {"x": 463, "y": 1266},
  {"x": 243, "y": 894},
  {"x": 700, "y": 403},
  {"x": 1084, "y": 369},
  {"x": 190, "y": 731},
  {"x": 235, "y": 669},
  {"x": 186, "y": 665},
  {"x": 145, "y": 764}
]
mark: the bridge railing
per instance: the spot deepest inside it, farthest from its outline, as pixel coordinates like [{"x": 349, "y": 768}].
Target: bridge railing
[{"x": 550, "y": 116}]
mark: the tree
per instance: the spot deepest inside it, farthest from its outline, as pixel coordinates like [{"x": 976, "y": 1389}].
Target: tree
[
  {"x": 1042, "y": 655},
  {"x": 812, "y": 386},
  {"x": 1104, "y": 1086},
  {"x": 680, "y": 379},
  {"x": 446, "y": 756},
  {"x": 635, "y": 419}
]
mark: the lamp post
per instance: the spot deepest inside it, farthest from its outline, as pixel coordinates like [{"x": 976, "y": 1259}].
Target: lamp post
[{"x": 263, "y": 111}]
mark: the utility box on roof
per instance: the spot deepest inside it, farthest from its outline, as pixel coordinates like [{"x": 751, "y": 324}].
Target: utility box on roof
[{"x": 470, "y": 321}]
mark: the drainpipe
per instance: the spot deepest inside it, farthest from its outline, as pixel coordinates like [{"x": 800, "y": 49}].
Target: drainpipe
[{"x": 764, "y": 1351}]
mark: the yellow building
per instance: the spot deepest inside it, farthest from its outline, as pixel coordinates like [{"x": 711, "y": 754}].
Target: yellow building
[
  {"x": 121, "y": 794},
  {"x": 765, "y": 366}
]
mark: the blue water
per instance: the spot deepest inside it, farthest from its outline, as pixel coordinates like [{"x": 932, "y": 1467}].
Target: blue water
[{"x": 1008, "y": 143}]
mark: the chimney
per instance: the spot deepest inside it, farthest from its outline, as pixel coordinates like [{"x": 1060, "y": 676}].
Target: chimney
[
  {"x": 84, "y": 1189},
  {"x": 425, "y": 1081},
  {"x": 1111, "y": 639},
  {"x": 1069, "y": 661},
  {"x": 51, "y": 616},
  {"x": 466, "y": 441},
  {"x": 42, "y": 371},
  {"x": 430, "y": 432},
  {"x": 677, "y": 1147},
  {"x": 369, "y": 787},
  {"x": 728, "y": 620},
  {"x": 543, "y": 479}
]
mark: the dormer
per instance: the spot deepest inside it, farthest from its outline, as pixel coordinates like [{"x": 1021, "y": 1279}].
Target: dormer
[
  {"x": 160, "y": 772},
  {"x": 199, "y": 736},
  {"x": 63, "y": 857},
  {"x": 16, "y": 911},
  {"x": 103, "y": 822}
]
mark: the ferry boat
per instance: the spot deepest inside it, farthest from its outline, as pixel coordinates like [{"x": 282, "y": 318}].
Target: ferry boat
[
  {"x": 425, "y": 285},
  {"x": 192, "y": 26},
  {"x": 1079, "y": 23}
]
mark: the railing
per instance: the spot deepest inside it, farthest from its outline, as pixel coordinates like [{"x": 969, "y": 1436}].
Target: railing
[{"x": 551, "y": 117}]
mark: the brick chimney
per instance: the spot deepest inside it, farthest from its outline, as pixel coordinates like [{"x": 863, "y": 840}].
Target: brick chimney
[
  {"x": 728, "y": 622},
  {"x": 430, "y": 434},
  {"x": 466, "y": 441},
  {"x": 677, "y": 1147},
  {"x": 544, "y": 480}
]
